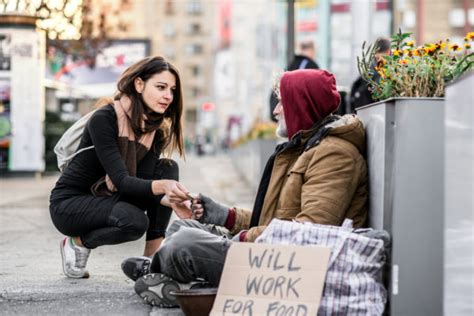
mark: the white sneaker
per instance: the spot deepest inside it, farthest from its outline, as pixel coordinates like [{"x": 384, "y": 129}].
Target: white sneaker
[
  {"x": 156, "y": 289},
  {"x": 74, "y": 259}
]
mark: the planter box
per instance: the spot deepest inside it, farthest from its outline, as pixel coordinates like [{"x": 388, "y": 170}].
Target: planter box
[
  {"x": 459, "y": 195},
  {"x": 405, "y": 157}
]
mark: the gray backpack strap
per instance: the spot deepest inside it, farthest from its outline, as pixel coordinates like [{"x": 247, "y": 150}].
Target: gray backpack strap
[{"x": 66, "y": 148}]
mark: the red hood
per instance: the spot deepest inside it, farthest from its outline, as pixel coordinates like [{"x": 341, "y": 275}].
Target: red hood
[{"x": 307, "y": 96}]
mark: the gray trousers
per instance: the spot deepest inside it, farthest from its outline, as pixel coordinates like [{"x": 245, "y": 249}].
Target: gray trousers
[{"x": 193, "y": 251}]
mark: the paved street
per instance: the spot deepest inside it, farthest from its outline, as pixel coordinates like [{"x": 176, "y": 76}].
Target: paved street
[{"x": 31, "y": 279}]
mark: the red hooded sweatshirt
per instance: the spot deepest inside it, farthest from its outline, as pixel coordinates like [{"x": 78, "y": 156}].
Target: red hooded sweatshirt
[{"x": 307, "y": 96}]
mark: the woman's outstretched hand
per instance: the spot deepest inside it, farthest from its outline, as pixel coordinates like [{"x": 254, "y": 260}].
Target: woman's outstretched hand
[
  {"x": 174, "y": 190},
  {"x": 182, "y": 209}
]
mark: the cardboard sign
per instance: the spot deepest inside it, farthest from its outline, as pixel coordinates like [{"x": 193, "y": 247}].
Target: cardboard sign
[{"x": 265, "y": 279}]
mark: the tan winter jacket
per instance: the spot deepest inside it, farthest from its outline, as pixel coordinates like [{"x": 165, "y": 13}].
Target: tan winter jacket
[{"x": 324, "y": 184}]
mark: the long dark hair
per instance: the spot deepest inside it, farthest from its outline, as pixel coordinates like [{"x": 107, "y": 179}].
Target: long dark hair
[{"x": 145, "y": 69}]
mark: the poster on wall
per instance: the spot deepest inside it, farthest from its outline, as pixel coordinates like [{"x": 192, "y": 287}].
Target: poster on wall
[{"x": 5, "y": 122}]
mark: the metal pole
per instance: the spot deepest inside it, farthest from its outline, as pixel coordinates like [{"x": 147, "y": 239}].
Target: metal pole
[{"x": 290, "y": 31}]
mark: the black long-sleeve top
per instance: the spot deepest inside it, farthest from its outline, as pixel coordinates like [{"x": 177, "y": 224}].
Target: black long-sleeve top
[{"x": 89, "y": 166}]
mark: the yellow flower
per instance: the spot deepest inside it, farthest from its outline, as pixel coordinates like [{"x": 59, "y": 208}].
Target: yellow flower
[
  {"x": 454, "y": 47},
  {"x": 430, "y": 48},
  {"x": 410, "y": 43},
  {"x": 397, "y": 52},
  {"x": 440, "y": 45},
  {"x": 470, "y": 36},
  {"x": 417, "y": 52},
  {"x": 467, "y": 46}
]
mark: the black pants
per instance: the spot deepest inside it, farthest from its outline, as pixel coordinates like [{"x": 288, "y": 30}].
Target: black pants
[{"x": 116, "y": 219}]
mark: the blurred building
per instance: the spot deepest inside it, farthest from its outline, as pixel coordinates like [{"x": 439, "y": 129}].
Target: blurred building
[
  {"x": 250, "y": 51},
  {"x": 434, "y": 20},
  {"x": 351, "y": 24}
]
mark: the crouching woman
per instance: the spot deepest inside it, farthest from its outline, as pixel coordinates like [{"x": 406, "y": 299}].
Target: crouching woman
[{"x": 121, "y": 189}]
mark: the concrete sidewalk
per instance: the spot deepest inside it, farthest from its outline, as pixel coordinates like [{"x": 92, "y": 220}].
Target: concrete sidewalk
[{"x": 31, "y": 279}]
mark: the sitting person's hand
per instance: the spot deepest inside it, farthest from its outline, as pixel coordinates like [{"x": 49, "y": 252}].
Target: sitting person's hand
[{"x": 207, "y": 211}]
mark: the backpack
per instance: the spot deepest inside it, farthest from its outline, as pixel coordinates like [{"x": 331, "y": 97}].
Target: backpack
[{"x": 66, "y": 148}]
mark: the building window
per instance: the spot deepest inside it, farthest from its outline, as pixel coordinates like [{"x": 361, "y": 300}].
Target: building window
[
  {"x": 193, "y": 28},
  {"x": 169, "y": 52},
  {"x": 191, "y": 115},
  {"x": 196, "y": 92},
  {"x": 169, "y": 30},
  {"x": 195, "y": 70},
  {"x": 193, "y": 49},
  {"x": 192, "y": 92},
  {"x": 194, "y": 7},
  {"x": 169, "y": 7}
]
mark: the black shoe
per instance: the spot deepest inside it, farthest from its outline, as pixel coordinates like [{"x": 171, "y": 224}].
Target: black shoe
[
  {"x": 156, "y": 288},
  {"x": 136, "y": 267}
]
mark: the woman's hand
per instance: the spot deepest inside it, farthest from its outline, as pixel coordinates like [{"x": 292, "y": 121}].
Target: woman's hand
[
  {"x": 182, "y": 210},
  {"x": 174, "y": 190}
]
